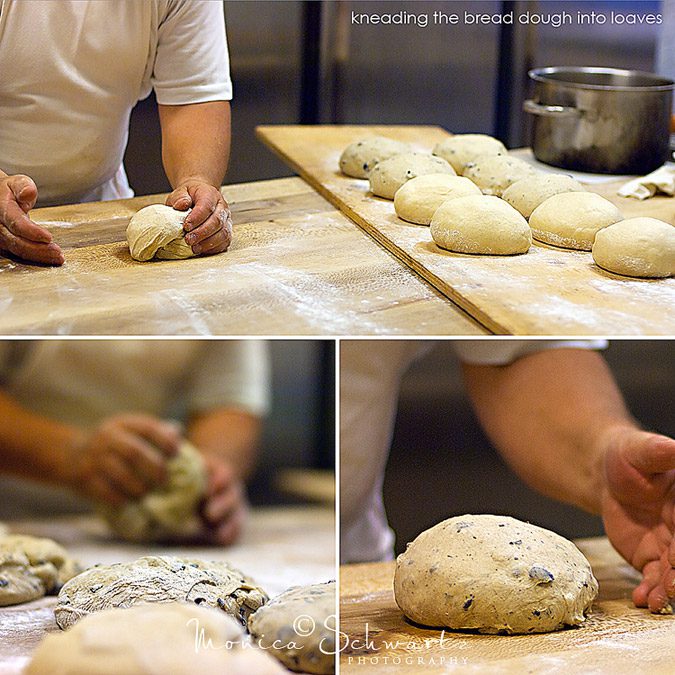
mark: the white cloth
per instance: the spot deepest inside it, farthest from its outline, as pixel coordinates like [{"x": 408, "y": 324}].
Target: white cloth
[
  {"x": 370, "y": 375},
  {"x": 71, "y": 71},
  {"x": 662, "y": 181}
]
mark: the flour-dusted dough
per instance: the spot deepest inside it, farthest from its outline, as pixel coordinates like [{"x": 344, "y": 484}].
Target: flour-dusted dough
[
  {"x": 167, "y": 639},
  {"x": 493, "y": 574},
  {"x": 304, "y": 618},
  {"x": 528, "y": 193},
  {"x": 390, "y": 174},
  {"x": 480, "y": 224},
  {"x": 359, "y": 158},
  {"x": 461, "y": 149},
  {"x": 572, "y": 219},
  {"x": 637, "y": 247},
  {"x": 169, "y": 512},
  {"x": 494, "y": 173},
  {"x": 157, "y": 232},
  {"x": 158, "y": 579},
  {"x": 417, "y": 200}
]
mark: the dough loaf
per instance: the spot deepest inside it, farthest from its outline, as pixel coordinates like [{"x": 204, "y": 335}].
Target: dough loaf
[
  {"x": 157, "y": 232},
  {"x": 528, "y": 193},
  {"x": 461, "y": 149},
  {"x": 494, "y": 173},
  {"x": 390, "y": 174},
  {"x": 359, "y": 158}
]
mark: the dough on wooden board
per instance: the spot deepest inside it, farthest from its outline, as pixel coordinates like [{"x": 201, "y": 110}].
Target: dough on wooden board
[
  {"x": 493, "y": 574},
  {"x": 360, "y": 157},
  {"x": 637, "y": 247},
  {"x": 572, "y": 219},
  {"x": 167, "y": 639},
  {"x": 390, "y": 174},
  {"x": 480, "y": 224},
  {"x": 157, "y": 232},
  {"x": 461, "y": 149},
  {"x": 494, "y": 173},
  {"x": 304, "y": 607},
  {"x": 528, "y": 193},
  {"x": 417, "y": 200}
]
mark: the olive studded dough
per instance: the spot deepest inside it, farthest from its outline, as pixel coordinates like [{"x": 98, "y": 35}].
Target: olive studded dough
[
  {"x": 360, "y": 157},
  {"x": 389, "y": 175},
  {"x": 529, "y": 192},
  {"x": 494, "y": 173},
  {"x": 461, "y": 149}
]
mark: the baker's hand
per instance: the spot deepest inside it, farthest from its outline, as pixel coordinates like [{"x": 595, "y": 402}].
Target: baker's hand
[
  {"x": 638, "y": 509},
  {"x": 19, "y": 235},
  {"x": 209, "y": 224}
]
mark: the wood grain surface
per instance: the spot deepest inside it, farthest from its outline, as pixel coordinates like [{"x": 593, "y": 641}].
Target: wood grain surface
[
  {"x": 548, "y": 291},
  {"x": 616, "y": 638}
]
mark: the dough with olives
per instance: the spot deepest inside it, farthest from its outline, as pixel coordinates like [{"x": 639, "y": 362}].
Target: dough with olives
[
  {"x": 528, "y": 193},
  {"x": 494, "y": 173},
  {"x": 461, "y": 149},
  {"x": 389, "y": 175},
  {"x": 360, "y": 157}
]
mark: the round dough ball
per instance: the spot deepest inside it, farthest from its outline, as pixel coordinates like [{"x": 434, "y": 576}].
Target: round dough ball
[
  {"x": 417, "y": 200},
  {"x": 528, "y": 193},
  {"x": 480, "y": 224},
  {"x": 390, "y": 174},
  {"x": 461, "y": 149},
  {"x": 637, "y": 247},
  {"x": 494, "y": 173},
  {"x": 359, "y": 158},
  {"x": 572, "y": 219},
  {"x": 157, "y": 232},
  {"x": 493, "y": 574}
]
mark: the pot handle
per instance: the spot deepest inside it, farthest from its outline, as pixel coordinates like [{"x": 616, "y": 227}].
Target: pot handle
[{"x": 535, "y": 108}]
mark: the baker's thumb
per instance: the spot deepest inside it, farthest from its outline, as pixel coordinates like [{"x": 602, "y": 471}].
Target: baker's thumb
[
  {"x": 24, "y": 190},
  {"x": 179, "y": 199}
]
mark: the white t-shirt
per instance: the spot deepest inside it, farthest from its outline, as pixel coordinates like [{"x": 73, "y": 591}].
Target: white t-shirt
[{"x": 72, "y": 70}]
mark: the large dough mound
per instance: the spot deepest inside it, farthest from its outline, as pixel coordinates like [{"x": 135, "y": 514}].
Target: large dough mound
[
  {"x": 167, "y": 639},
  {"x": 494, "y": 173},
  {"x": 158, "y": 579},
  {"x": 637, "y": 247},
  {"x": 417, "y": 200},
  {"x": 157, "y": 232},
  {"x": 528, "y": 193},
  {"x": 493, "y": 574},
  {"x": 389, "y": 175},
  {"x": 170, "y": 511},
  {"x": 360, "y": 157},
  {"x": 480, "y": 224},
  {"x": 305, "y": 607},
  {"x": 572, "y": 219},
  {"x": 461, "y": 149}
]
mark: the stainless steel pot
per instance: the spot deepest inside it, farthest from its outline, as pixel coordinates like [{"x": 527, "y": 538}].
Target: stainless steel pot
[{"x": 600, "y": 120}]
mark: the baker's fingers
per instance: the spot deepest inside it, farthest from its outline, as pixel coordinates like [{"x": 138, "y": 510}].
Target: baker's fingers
[
  {"x": 46, "y": 254},
  {"x": 144, "y": 459},
  {"x": 214, "y": 223},
  {"x": 651, "y": 573},
  {"x": 205, "y": 200},
  {"x": 24, "y": 190},
  {"x": 165, "y": 436},
  {"x": 652, "y": 453},
  {"x": 100, "y": 490},
  {"x": 216, "y": 243},
  {"x": 20, "y": 225},
  {"x": 223, "y": 504},
  {"x": 221, "y": 476},
  {"x": 118, "y": 474},
  {"x": 658, "y": 600},
  {"x": 179, "y": 199},
  {"x": 227, "y": 533}
]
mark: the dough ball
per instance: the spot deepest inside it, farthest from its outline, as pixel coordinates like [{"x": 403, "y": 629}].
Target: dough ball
[
  {"x": 158, "y": 579},
  {"x": 417, "y": 200},
  {"x": 572, "y": 219},
  {"x": 494, "y": 173},
  {"x": 493, "y": 574},
  {"x": 157, "y": 232},
  {"x": 359, "y": 158},
  {"x": 527, "y": 193},
  {"x": 461, "y": 149},
  {"x": 170, "y": 511},
  {"x": 312, "y": 606},
  {"x": 390, "y": 174},
  {"x": 174, "y": 638},
  {"x": 480, "y": 224},
  {"x": 637, "y": 247}
]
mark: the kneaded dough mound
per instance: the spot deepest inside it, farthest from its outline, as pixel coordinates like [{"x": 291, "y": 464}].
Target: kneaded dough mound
[
  {"x": 157, "y": 232},
  {"x": 494, "y": 173},
  {"x": 637, "y": 247},
  {"x": 274, "y": 622},
  {"x": 417, "y": 200},
  {"x": 480, "y": 224},
  {"x": 572, "y": 219},
  {"x": 359, "y": 158},
  {"x": 493, "y": 574},
  {"x": 389, "y": 175},
  {"x": 158, "y": 579},
  {"x": 175, "y": 638},
  {"x": 461, "y": 149},
  {"x": 528, "y": 193}
]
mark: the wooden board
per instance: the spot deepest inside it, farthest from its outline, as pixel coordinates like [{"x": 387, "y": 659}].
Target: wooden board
[
  {"x": 297, "y": 267},
  {"x": 617, "y": 638},
  {"x": 548, "y": 291}
]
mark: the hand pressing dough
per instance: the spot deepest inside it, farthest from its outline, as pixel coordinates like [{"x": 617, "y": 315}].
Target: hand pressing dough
[
  {"x": 637, "y": 247},
  {"x": 390, "y": 174},
  {"x": 169, "y": 512},
  {"x": 572, "y": 219},
  {"x": 359, "y": 158},
  {"x": 493, "y": 574},
  {"x": 175, "y": 638},
  {"x": 494, "y": 173},
  {"x": 461, "y": 149},
  {"x": 528, "y": 193},
  {"x": 417, "y": 200},
  {"x": 275, "y": 621},
  {"x": 480, "y": 224},
  {"x": 158, "y": 579},
  {"x": 157, "y": 232}
]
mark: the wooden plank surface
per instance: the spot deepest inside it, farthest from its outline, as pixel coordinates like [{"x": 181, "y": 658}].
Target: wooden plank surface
[
  {"x": 617, "y": 638},
  {"x": 548, "y": 291},
  {"x": 297, "y": 267}
]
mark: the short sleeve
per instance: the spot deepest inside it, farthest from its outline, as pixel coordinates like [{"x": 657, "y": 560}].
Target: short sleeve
[{"x": 502, "y": 352}]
